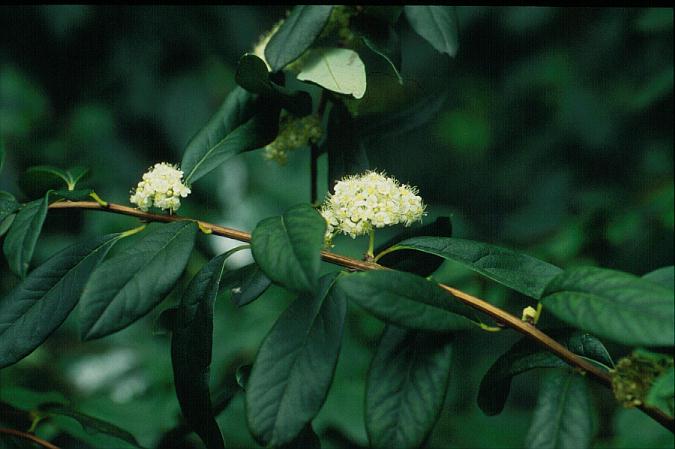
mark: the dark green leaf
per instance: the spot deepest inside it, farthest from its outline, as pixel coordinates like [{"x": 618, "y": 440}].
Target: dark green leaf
[
  {"x": 403, "y": 119},
  {"x": 563, "y": 417},
  {"x": 526, "y": 355},
  {"x": 520, "y": 272},
  {"x": 613, "y": 304},
  {"x": 37, "y": 306},
  {"x": 288, "y": 248},
  {"x": 8, "y": 205},
  {"x": 191, "y": 345},
  {"x": 382, "y": 39},
  {"x": 2, "y": 155},
  {"x": 235, "y": 128},
  {"x": 294, "y": 366},
  {"x": 6, "y": 223},
  {"x": 253, "y": 284},
  {"x": 406, "y": 300},
  {"x": 414, "y": 261},
  {"x": 242, "y": 375},
  {"x": 296, "y": 34},
  {"x": 89, "y": 423},
  {"x": 307, "y": 439},
  {"x": 45, "y": 176},
  {"x": 662, "y": 392},
  {"x": 665, "y": 277},
  {"x": 436, "y": 24},
  {"x": 406, "y": 387},
  {"x": 23, "y": 235},
  {"x": 346, "y": 153},
  {"x": 130, "y": 284},
  {"x": 253, "y": 76},
  {"x": 72, "y": 195},
  {"x": 76, "y": 174}
]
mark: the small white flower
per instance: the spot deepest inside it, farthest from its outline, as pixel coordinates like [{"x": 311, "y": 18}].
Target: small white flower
[
  {"x": 371, "y": 200},
  {"x": 162, "y": 187}
]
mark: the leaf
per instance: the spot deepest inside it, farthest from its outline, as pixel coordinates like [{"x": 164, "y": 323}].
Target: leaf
[
  {"x": 662, "y": 392},
  {"x": 411, "y": 261},
  {"x": 382, "y": 39},
  {"x": 406, "y": 300},
  {"x": 6, "y": 223},
  {"x": 520, "y": 272},
  {"x": 89, "y": 423},
  {"x": 296, "y": 34},
  {"x": 42, "y": 173},
  {"x": 8, "y": 205},
  {"x": 253, "y": 284},
  {"x": 72, "y": 195},
  {"x": 563, "y": 415},
  {"x": 336, "y": 69},
  {"x": 127, "y": 286},
  {"x": 37, "y": 306},
  {"x": 23, "y": 235},
  {"x": 288, "y": 248},
  {"x": 403, "y": 119},
  {"x": 294, "y": 366},
  {"x": 241, "y": 124},
  {"x": 436, "y": 24},
  {"x": 346, "y": 153},
  {"x": 665, "y": 277},
  {"x": 526, "y": 355},
  {"x": 613, "y": 304},
  {"x": 253, "y": 76},
  {"x": 191, "y": 346},
  {"x": 406, "y": 386},
  {"x": 2, "y": 155}
]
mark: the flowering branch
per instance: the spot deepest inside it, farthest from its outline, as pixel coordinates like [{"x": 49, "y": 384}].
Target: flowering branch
[{"x": 481, "y": 305}]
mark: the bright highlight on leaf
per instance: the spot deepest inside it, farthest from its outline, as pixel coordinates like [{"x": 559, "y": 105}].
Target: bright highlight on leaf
[{"x": 337, "y": 69}]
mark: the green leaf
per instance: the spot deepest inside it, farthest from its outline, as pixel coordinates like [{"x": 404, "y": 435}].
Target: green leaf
[
  {"x": 520, "y": 272},
  {"x": 563, "y": 416},
  {"x": 346, "y": 153},
  {"x": 526, "y": 355},
  {"x": 665, "y": 277},
  {"x": 8, "y": 205},
  {"x": 253, "y": 76},
  {"x": 23, "y": 235},
  {"x": 253, "y": 284},
  {"x": 613, "y": 304},
  {"x": 72, "y": 195},
  {"x": 2, "y": 155},
  {"x": 339, "y": 70},
  {"x": 127, "y": 286},
  {"x": 47, "y": 171},
  {"x": 436, "y": 24},
  {"x": 403, "y": 119},
  {"x": 382, "y": 39},
  {"x": 294, "y": 366},
  {"x": 406, "y": 300},
  {"x": 662, "y": 392},
  {"x": 411, "y": 261},
  {"x": 296, "y": 34},
  {"x": 288, "y": 248},
  {"x": 241, "y": 124},
  {"x": 37, "y": 306},
  {"x": 89, "y": 423},
  {"x": 191, "y": 346},
  {"x": 6, "y": 223},
  {"x": 406, "y": 387}
]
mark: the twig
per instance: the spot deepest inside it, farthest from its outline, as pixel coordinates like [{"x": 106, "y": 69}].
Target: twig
[
  {"x": 29, "y": 436},
  {"x": 496, "y": 313}
]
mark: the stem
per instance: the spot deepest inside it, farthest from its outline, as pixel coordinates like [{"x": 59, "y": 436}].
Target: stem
[
  {"x": 29, "y": 436},
  {"x": 496, "y": 313},
  {"x": 371, "y": 245}
]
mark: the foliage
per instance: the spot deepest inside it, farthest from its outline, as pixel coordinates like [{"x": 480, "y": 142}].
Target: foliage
[{"x": 518, "y": 133}]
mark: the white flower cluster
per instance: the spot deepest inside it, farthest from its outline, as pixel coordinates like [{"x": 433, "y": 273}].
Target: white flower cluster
[
  {"x": 161, "y": 187},
  {"x": 294, "y": 132},
  {"x": 371, "y": 200}
]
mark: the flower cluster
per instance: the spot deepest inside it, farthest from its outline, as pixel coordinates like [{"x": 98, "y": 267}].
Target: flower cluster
[
  {"x": 634, "y": 375},
  {"x": 371, "y": 200},
  {"x": 294, "y": 132},
  {"x": 161, "y": 187}
]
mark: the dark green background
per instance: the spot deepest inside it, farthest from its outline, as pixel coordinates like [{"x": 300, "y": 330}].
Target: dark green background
[{"x": 556, "y": 139}]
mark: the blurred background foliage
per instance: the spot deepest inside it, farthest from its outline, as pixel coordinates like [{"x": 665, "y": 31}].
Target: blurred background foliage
[{"x": 556, "y": 139}]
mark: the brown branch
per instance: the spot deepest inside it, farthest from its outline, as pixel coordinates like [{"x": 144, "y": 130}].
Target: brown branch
[
  {"x": 29, "y": 436},
  {"x": 496, "y": 313}
]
